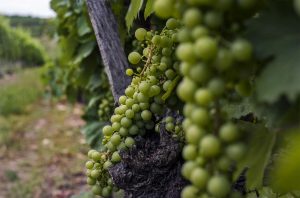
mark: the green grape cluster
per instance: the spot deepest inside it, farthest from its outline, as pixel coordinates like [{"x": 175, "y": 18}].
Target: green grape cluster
[
  {"x": 172, "y": 125},
  {"x": 97, "y": 174},
  {"x": 106, "y": 107},
  {"x": 155, "y": 73},
  {"x": 217, "y": 65}
]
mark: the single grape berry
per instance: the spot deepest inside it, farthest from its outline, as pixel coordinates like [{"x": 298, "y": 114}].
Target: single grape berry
[
  {"x": 229, "y": 132},
  {"x": 199, "y": 177},
  {"x": 189, "y": 152},
  {"x": 206, "y": 48},
  {"x": 172, "y": 24},
  {"x": 140, "y": 34},
  {"x": 218, "y": 186},
  {"x": 134, "y": 58},
  {"x": 129, "y": 72},
  {"x": 241, "y": 50},
  {"x": 192, "y": 17},
  {"x": 210, "y": 146},
  {"x": 163, "y": 8}
]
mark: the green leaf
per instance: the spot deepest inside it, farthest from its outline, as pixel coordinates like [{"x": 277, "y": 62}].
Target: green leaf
[
  {"x": 260, "y": 145},
  {"x": 286, "y": 174},
  {"x": 132, "y": 12},
  {"x": 276, "y": 32},
  {"x": 84, "y": 50},
  {"x": 148, "y": 8},
  {"x": 93, "y": 133},
  {"x": 83, "y": 26}
]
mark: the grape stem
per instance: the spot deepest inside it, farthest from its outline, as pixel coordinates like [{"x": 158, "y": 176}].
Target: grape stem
[{"x": 148, "y": 62}]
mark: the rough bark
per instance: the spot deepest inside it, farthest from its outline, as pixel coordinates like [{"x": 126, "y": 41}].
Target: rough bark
[
  {"x": 151, "y": 169},
  {"x": 112, "y": 52}
]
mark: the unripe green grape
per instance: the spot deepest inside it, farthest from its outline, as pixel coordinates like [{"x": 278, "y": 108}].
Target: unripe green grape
[
  {"x": 200, "y": 116},
  {"x": 129, "y": 72},
  {"x": 186, "y": 123},
  {"x": 136, "y": 108},
  {"x": 122, "y": 99},
  {"x": 162, "y": 66},
  {"x": 199, "y": 177},
  {"x": 95, "y": 174},
  {"x": 129, "y": 91},
  {"x": 166, "y": 60},
  {"x": 213, "y": 19},
  {"x": 185, "y": 68},
  {"x": 185, "y": 52},
  {"x": 129, "y": 142},
  {"x": 216, "y": 86},
  {"x": 96, "y": 156},
  {"x": 156, "y": 39},
  {"x": 156, "y": 108},
  {"x": 115, "y": 157},
  {"x": 187, "y": 169},
  {"x": 125, "y": 122},
  {"x": 97, "y": 166},
  {"x": 107, "y": 165},
  {"x": 107, "y": 130},
  {"x": 203, "y": 97},
  {"x": 189, "y": 152},
  {"x": 140, "y": 34},
  {"x": 166, "y": 85},
  {"x": 170, "y": 74},
  {"x": 123, "y": 131},
  {"x": 89, "y": 164},
  {"x": 144, "y": 87},
  {"x": 224, "y": 60},
  {"x": 199, "y": 31},
  {"x": 236, "y": 151},
  {"x": 115, "y": 139},
  {"x": 133, "y": 130},
  {"x": 199, "y": 73},
  {"x": 241, "y": 50},
  {"x": 192, "y": 17},
  {"x": 154, "y": 90},
  {"x": 97, "y": 190},
  {"x": 189, "y": 192},
  {"x": 193, "y": 134},
  {"x": 110, "y": 146},
  {"x": 129, "y": 102},
  {"x": 188, "y": 109},
  {"x": 142, "y": 97},
  {"x": 210, "y": 146},
  {"x": 186, "y": 90},
  {"x": 166, "y": 51},
  {"x": 90, "y": 153},
  {"x": 134, "y": 58},
  {"x": 90, "y": 181},
  {"x": 224, "y": 164},
  {"x": 170, "y": 127},
  {"x": 163, "y": 8},
  {"x": 129, "y": 114},
  {"x": 172, "y": 24},
  {"x": 229, "y": 132},
  {"x": 144, "y": 105},
  {"x": 146, "y": 115},
  {"x": 165, "y": 41},
  {"x": 149, "y": 125},
  {"x": 218, "y": 186},
  {"x": 106, "y": 192},
  {"x": 169, "y": 119},
  {"x": 206, "y": 48},
  {"x": 184, "y": 35}
]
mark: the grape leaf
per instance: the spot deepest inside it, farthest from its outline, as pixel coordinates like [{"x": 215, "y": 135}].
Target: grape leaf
[
  {"x": 286, "y": 175},
  {"x": 84, "y": 50},
  {"x": 93, "y": 133},
  {"x": 132, "y": 12},
  {"x": 83, "y": 26},
  {"x": 148, "y": 8},
  {"x": 261, "y": 142},
  {"x": 276, "y": 32}
]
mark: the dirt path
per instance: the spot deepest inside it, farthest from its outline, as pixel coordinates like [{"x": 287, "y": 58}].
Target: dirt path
[{"x": 44, "y": 155}]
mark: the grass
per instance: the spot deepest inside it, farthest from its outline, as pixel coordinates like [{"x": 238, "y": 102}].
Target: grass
[{"x": 21, "y": 90}]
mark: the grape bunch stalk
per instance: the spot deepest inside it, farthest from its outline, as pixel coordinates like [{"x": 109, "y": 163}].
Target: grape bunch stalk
[{"x": 217, "y": 65}]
